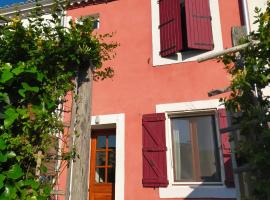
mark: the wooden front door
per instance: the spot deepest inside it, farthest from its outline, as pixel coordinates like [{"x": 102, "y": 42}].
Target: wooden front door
[{"x": 102, "y": 166}]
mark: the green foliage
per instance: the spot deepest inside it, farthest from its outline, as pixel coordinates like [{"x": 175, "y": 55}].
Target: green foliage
[
  {"x": 38, "y": 63},
  {"x": 250, "y": 69}
]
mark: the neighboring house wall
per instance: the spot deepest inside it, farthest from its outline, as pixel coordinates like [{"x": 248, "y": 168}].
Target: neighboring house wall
[{"x": 138, "y": 87}]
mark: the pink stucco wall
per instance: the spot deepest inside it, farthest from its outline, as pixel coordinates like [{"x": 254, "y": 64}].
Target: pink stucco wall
[{"x": 137, "y": 86}]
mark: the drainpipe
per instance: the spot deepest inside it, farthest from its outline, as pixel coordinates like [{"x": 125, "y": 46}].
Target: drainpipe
[{"x": 246, "y": 15}]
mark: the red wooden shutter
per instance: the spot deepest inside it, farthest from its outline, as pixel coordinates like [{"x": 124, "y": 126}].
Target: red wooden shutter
[
  {"x": 198, "y": 20},
  {"x": 226, "y": 150},
  {"x": 154, "y": 151},
  {"x": 170, "y": 27}
]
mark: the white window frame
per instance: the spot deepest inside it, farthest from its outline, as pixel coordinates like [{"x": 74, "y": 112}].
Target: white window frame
[
  {"x": 115, "y": 121},
  {"x": 189, "y": 55},
  {"x": 191, "y": 189}
]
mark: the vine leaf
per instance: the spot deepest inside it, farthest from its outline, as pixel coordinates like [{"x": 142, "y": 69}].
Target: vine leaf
[
  {"x": 27, "y": 88},
  {"x": 2, "y": 178},
  {"x": 19, "y": 69},
  {"x": 15, "y": 172},
  {"x": 9, "y": 193},
  {"x": 32, "y": 198},
  {"x": 2, "y": 145},
  {"x": 4, "y": 97},
  {"x": 32, "y": 183},
  {"x": 22, "y": 92},
  {"x": 40, "y": 76},
  {"x": 47, "y": 190},
  {"x": 11, "y": 154},
  {"x": 10, "y": 116},
  {"x": 3, "y": 157},
  {"x": 6, "y": 76}
]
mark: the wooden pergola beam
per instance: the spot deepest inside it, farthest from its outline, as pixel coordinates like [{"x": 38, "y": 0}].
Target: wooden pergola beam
[{"x": 226, "y": 51}]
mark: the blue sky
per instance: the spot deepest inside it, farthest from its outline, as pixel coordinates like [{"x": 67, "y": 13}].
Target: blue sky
[{"x": 8, "y": 2}]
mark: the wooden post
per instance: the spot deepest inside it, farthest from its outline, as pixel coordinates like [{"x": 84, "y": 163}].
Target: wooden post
[
  {"x": 39, "y": 157},
  {"x": 227, "y": 51},
  {"x": 81, "y": 116}
]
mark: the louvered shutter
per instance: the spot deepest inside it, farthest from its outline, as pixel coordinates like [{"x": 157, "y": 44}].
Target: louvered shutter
[
  {"x": 198, "y": 22},
  {"x": 170, "y": 27},
  {"x": 226, "y": 150},
  {"x": 154, "y": 151}
]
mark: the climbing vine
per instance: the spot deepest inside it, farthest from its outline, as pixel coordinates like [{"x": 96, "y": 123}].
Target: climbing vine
[
  {"x": 249, "y": 105},
  {"x": 39, "y": 59}
]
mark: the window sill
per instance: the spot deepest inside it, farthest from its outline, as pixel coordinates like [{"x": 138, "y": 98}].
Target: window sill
[
  {"x": 197, "y": 191},
  {"x": 197, "y": 184},
  {"x": 181, "y": 57}
]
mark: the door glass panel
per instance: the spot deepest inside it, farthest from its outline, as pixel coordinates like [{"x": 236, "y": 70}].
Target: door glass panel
[
  {"x": 100, "y": 158},
  {"x": 111, "y": 175},
  {"x": 100, "y": 175},
  {"x": 104, "y": 155},
  {"x": 111, "y": 158},
  {"x": 101, "y": 142},
  {"x": 111, "y": 141}
]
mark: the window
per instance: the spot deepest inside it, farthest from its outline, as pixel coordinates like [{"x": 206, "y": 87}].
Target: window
[
  {"x": 94, "y": 18},
  {"x": 185, "y": 30},
  {"x": 198, "y": 157},
  {"x": 195, "y": 149},
  {"x": 184, "y": 25}
]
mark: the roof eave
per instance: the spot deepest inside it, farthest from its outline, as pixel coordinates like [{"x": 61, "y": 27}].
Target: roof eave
[{"x": 24, "y": 8}]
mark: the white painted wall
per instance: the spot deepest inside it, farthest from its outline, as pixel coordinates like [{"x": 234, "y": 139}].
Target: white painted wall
[
  {"x": 251, "y": 7},
  {"x": 262, "y": 4}
]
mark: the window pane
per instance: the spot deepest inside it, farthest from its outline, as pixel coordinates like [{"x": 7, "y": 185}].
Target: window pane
[
  {"x": 95, "y": 23},
  {"x": 208, "y": 152},
  {"x": 100, "y": 158},
  {"x": 182, "y": 149},
  {"x": 101, "y": 142},
  {"x": 111, "y": 175},
  {"x": 111, "y": 156},
  {"x": 195, "y": 149},
  {"x": 111, "y": 141},
  {"x": 100, "y": 175}
]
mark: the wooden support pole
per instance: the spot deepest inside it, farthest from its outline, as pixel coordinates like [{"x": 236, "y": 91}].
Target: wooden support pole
[
  {"x": 81, "y": 115},
  {"x": 227, "y": 51},
  {"x": 57, "y": 192},
  {"x": 39, "y": 156}
]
